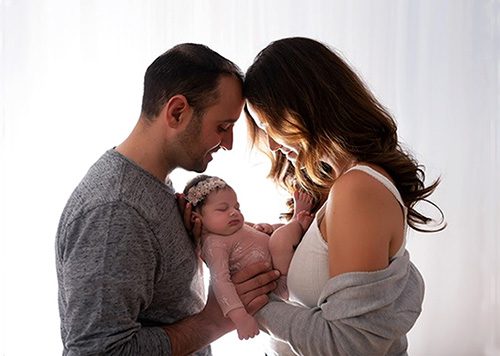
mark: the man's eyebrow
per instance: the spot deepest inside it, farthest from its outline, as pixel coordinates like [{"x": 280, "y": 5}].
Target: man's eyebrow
[{"x": 228, "y": 122}]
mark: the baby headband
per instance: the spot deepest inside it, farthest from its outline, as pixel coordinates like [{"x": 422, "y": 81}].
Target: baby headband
[{"x": 199, "y": 191}]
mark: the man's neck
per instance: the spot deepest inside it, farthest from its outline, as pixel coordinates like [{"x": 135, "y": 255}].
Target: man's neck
[{"x": 145, "y": 151}]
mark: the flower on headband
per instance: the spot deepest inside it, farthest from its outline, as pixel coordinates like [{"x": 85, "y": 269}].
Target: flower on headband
[{"x": 199, "y": 191}]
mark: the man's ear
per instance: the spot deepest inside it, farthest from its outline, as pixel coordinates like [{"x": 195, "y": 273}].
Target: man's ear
[{"x": 176, "y": 111}]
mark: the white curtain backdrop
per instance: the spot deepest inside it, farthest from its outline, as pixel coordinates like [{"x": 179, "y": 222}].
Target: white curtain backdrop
[{"x": 70, "y": 87}]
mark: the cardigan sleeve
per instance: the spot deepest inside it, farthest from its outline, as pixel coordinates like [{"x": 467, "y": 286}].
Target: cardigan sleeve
[{"x": 358, "y": 313}]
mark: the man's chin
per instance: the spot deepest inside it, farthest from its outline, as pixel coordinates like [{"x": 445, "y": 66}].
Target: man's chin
[{"x": 200, "y": 167}]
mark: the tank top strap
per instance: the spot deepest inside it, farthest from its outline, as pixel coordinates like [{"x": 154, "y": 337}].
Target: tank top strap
[{"x": 382, "y": 179}]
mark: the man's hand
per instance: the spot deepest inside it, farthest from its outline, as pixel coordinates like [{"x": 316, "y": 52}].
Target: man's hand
[
  {"x": 193, "y": 225},
  {"x": 253, "y": 283}
]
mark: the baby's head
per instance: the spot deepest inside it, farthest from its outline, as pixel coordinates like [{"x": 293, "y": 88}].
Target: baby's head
[{"x": 215, "y": 203}]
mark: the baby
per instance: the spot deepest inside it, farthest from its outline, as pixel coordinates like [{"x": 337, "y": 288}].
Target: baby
[{"x": 228, "y": 243}]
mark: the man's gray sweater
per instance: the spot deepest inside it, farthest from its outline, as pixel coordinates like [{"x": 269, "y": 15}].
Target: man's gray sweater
[{"x": 125, "y": 264}]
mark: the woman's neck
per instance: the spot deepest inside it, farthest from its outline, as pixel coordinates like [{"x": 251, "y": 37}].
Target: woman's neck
[{"x": 340, "y": 167}]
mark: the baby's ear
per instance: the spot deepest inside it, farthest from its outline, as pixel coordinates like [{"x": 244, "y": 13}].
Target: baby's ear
[{"x": 195, "y": 215}]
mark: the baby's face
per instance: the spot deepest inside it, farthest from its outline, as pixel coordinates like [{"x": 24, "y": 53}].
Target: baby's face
[{"x": 221, "y": 212}]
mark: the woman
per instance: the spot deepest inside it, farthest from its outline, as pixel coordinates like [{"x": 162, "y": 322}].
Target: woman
[{"x": 354, "y": 288}]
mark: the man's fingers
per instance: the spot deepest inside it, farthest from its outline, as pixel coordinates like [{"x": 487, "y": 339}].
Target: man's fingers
[
  {"x": 181, "y": 202},
  {"x": 250, "y": 271},
  {"x": 249, "y": 296},
  {"x": 253, "y": 283},
  {"x": 196, "y": 229},
  {"x": 193, "y": 227},
  {"x": 185, "y": 209},
  {"x": 187, "y": 216},
  {"x": 257, "y": 282},
  {"x": 256, "y": 304}
]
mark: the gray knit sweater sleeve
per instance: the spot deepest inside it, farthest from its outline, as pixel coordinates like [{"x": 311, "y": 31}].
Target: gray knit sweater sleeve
[
  {"x": 108, "y": 276},
  {"x": 358, "y": 313}
]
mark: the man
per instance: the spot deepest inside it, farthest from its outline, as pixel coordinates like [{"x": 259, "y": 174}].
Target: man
[{"x": 130, "y": 279}]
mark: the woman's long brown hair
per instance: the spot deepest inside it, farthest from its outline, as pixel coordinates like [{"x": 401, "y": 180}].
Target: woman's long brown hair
[{"x": 310, "y": 97}]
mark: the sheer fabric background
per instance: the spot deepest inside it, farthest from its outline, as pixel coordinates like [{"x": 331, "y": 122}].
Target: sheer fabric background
[{"x": 71, "y": 85}]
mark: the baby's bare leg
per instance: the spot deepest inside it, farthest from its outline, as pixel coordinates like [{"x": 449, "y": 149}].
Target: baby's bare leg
[
  {"x": 281, "y": 245},
  {"x": 303, "y": 203},
  {"x": 285, "y": 239}
]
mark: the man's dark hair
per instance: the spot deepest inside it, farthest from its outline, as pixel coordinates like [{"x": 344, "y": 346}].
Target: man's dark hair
[{"x": 189, "y": 69}]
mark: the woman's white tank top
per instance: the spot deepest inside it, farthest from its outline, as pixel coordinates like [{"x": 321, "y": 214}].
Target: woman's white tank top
[{"x": 309, "y": 270}]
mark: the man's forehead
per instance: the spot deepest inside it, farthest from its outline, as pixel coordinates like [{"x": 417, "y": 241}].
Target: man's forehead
[{"x": 221, "y": 117}]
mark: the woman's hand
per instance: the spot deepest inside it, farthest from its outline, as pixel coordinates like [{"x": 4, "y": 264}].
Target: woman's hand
[{"x": 264, "y": 227}]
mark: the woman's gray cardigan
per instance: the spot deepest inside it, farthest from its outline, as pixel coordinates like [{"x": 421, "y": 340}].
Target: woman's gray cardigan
[{"x": 358, "y": 313}]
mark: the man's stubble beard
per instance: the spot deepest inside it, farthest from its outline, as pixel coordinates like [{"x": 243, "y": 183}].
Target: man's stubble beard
[{"x": 191, "y": 141}]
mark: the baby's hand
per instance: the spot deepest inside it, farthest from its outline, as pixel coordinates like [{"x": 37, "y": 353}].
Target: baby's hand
[
  {"x": 247, "y": 328},
  {"x": 264, "y": 227},
  {"x": 245, "y": 323}
]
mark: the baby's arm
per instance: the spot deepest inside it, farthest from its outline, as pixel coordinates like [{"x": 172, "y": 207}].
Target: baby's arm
[
  {"x": 246, "y": 325},
  {"x": 216, "y": 255}
]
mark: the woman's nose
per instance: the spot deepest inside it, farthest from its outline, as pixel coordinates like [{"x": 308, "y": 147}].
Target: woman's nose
[{"x": 273, "y": 145}]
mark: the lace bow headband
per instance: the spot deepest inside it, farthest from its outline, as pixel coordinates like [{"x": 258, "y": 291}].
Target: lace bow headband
[{"x": 199, "y": 191}]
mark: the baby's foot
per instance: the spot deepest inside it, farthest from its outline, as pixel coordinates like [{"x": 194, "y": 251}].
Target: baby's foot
[
  {"x": 305, "y": 219},
  {"x": 302, "y": 202}
]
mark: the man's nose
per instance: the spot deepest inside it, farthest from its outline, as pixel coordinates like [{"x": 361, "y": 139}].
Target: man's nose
[{"x": 227, "y": 140}]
